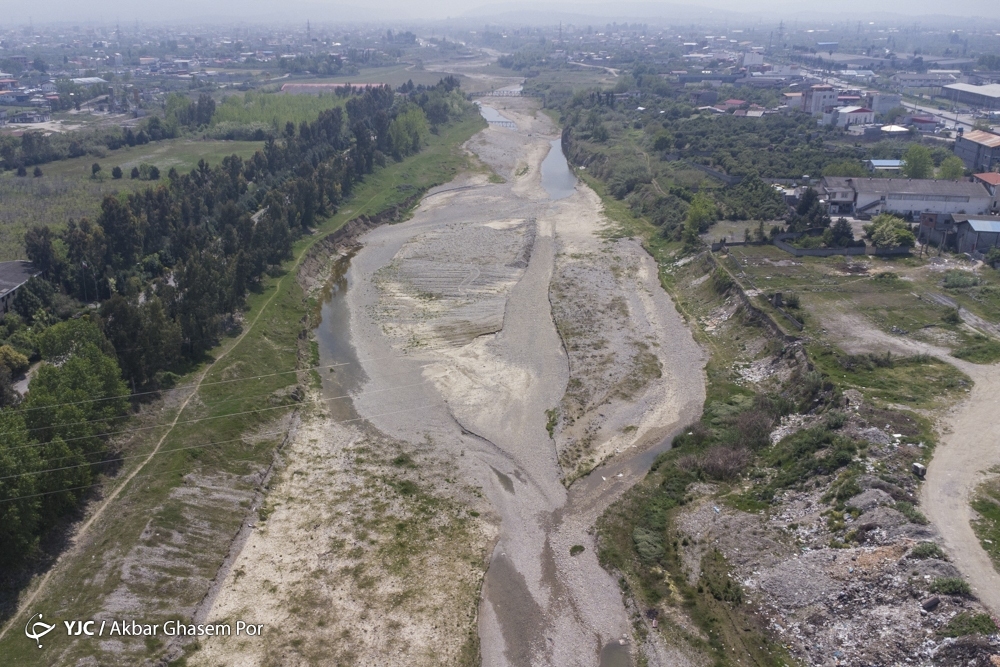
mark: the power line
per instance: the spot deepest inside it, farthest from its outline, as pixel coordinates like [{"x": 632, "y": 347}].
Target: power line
[
  {"x": 88, "y": 486},
  {"x": 130, "y": 415},
  {"x": 231, "y": 414},
  {"x": 203, "y": 384}
]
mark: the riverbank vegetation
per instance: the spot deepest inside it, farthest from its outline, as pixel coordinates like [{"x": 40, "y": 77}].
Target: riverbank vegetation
[{"x": 169, "y": 269}]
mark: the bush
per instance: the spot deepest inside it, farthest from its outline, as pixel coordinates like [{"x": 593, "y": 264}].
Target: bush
[
  {"x": 16, "y": 362},
  {"x": 721, "y": 282},
  {"x": 968, "y": 624},
  {"x": 37, "y": 173},
  {"x": 835, "y": 419},
  {"x": 724, "y": 463},
  {"x": 648, "y": 544},
  {"x": 959, "y": 279},
  {"x": 927, "y": 550},
  {"x": 576, "y": 550},
  {"x": 911, "y": 513},
  {"x": 950, "y": 586},
  {"x": 952, "y": 316},
  {"x": 753, "y": 429},
  {"x": 116, "y": 173}
]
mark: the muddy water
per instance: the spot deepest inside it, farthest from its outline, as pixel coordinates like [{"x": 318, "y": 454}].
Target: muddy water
[
  {"x": 557, "y": 179},
  {"x": 339, "y": 368}
]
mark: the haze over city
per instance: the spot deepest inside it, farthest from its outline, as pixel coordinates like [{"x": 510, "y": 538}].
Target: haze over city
[{"x": 556, "y": 334}]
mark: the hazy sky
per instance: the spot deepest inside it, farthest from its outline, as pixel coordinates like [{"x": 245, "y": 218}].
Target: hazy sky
[{"x": 185, "y": 11}]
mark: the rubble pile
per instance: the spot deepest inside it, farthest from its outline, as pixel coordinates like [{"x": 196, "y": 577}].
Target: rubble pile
[{"x": 860, "y": 581}]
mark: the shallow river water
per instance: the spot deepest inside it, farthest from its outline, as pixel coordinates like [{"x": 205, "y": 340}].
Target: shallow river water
[{"x": 342, "y": 373}]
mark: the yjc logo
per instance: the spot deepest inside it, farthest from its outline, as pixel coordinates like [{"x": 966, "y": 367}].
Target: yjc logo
[{"x": 38, "y": 629}]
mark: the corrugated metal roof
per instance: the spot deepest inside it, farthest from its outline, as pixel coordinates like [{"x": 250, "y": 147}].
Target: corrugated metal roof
[
  {"x": 989, "y": 90},
  {"x": 983, "y": 138},
  {"x": 905, "y": 186},
  {"x": 981, "y": 225}
]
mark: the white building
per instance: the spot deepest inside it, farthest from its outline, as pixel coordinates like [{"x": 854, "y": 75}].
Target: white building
[
  {"x": 904, "y": 196},
  {"x": 847, "y": 116}
]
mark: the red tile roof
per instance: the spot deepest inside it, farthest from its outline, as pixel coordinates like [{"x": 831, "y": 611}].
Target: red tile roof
[{"x": 990, "y": 177}]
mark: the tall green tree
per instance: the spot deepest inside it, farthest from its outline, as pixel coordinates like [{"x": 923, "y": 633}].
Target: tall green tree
[
  {"x": 952, "y": 168},
  {"x": 917, "y": 162}
]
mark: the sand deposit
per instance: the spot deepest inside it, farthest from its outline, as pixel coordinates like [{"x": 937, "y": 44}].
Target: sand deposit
[{"x": 465, "y": 292}]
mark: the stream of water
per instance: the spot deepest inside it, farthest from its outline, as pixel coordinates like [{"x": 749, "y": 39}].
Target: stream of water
[{"x": 342, "y": 373}]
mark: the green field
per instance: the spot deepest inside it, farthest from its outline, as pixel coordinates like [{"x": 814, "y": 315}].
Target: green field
[
  {"x": 150, "y": 503},
  {"x": 66, "y": 189},
  {"x": 395, "y": 75},
  {"x": 273, "y": 110}
]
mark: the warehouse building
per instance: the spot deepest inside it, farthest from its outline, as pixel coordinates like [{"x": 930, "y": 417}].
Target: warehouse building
[
  {"x": 987, "y": 97},
  {"x": 868, "y": 197}
]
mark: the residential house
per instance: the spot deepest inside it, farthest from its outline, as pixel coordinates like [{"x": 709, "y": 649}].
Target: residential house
[
  {"x": 882, "y": 103},
  {"x": 816, "y": 99},
  {"x": 868, "y": 197},
  {"x": 979, "y": 150}
]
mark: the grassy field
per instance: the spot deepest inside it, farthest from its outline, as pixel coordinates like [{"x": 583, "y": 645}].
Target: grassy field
[
  {"x": 394, "y": 75},
  {"x": 66, "y": 189},
  {"x": 241, "y": 426},
  {"x": 273, "y": 110}
]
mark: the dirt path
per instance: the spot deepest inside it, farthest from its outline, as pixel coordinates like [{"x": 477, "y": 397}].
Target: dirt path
[
  {"x": 100, "y": 508},
  {"x": 462, "y": 293},
  {"x": 969, "y": 446}
]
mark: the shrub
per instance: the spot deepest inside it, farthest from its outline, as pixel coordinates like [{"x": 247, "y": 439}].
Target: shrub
[
  {"x": 950, "y": 586},
  {"x": 968, "y": 624},
  {"x": 927, "y": 550},
  {"x": 576, "y": 550},
  {"x": 753, "y": 429},
  {"x": 37, "y": 173},
  {"x": 959, "y": 279},
  {"x": 724, "y": 463},
  {"x": 116, "y": 173},
  {"x": 911, "y": 513},
  {"x": 721, "y": 282},
  {"x": 952, "y": 316},
  {"x": 835, "y": 419},
  {"x": 648, "y": 544}
]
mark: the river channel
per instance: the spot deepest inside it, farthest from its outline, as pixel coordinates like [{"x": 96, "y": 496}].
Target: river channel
[{"x": 342, "y": 373}]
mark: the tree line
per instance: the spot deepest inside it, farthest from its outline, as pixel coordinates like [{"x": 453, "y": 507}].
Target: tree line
[{"x": 169, "y": 266}]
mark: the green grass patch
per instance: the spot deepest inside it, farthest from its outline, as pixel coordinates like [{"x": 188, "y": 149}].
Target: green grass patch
[
  {"x": 965, "y": 623},
  {"x": 981, "y": 350},
  {"x": 273, "y": 109},
  {"x": 918, "y": 381},
  {"x": 986, "y": 503}
]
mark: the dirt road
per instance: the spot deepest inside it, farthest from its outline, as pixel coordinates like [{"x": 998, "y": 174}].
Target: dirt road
[{"x": 969, "y": 447}]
